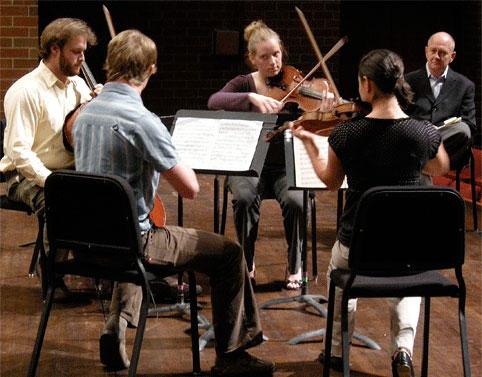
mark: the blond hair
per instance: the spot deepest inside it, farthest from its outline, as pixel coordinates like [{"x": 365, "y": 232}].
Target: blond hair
[
  {"x": 256, "y": 32},
  {"x": 60, "y": 31},
  {"x": 130, "y": 56}
]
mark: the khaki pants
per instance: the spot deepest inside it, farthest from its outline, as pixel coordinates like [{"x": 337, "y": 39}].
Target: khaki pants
[{"x": 235, "y": 314}]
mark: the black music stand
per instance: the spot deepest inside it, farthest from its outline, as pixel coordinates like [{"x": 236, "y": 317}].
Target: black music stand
[
  {"x": 211, "y": 167},
  {"x": 313, "y": 300}
]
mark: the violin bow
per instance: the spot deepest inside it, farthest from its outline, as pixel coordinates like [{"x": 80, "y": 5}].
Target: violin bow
[
  {"x": 110, "y": 24},
  {"x": 330, "y": 53},
  {"x": 318, "y": 53}
]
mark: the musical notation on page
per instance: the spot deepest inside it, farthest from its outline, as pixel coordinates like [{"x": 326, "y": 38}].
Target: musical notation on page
[
  {"x": 305, "y": 175},
  {"x": 216, "y": 144}
]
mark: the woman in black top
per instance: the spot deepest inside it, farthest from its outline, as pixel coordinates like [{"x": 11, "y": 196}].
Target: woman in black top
[{"x": 384, "y": 148}]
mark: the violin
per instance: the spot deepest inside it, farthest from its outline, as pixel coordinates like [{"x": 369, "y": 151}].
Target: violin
[
  {"x": 68, "y": 128},
  {"x": 286, "y": 87},
  {"x": 323, "y": 122}
]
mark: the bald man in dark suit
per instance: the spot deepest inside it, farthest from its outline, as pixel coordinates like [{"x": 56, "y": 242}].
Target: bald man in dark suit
[{"x": 443, "y": 95}]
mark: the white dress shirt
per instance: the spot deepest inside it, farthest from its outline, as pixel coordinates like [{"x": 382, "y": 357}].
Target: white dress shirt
[{"x": 35, "y": 110}]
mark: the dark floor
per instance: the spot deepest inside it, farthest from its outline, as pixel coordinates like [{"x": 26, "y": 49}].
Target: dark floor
[{"x": 71, "y": 342}]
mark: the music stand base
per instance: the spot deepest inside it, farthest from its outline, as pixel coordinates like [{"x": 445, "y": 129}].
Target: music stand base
[
  {"x": 312, "y": 300},
  {"x": 367, "y": 342},
  {"x": 180, "y": 308}
]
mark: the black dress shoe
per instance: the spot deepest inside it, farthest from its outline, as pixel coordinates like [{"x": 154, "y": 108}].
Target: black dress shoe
[
  {"x": 402, "y": 365},
  {"x": 336, "y": 362}
]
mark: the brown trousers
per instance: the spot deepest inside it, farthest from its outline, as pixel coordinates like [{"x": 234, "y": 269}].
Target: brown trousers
[{"x": 235, "y": 314}]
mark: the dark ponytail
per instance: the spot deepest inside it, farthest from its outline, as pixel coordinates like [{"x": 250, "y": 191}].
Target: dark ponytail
[{"x": 385, "y": 68}]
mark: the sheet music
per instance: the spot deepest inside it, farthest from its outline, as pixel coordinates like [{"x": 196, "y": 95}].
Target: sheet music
[
  {"x": 216, "y": 144},
  {"x": 305, "y": 175}
]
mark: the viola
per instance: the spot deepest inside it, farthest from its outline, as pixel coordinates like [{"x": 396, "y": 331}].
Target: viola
[
  {"x": 323, "y": 122},
  {"x": 308, "y": 95}
]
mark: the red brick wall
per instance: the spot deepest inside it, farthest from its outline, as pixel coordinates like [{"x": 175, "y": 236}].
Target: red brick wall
[
  {"x": 188, "y": 70},
  {"x": 18, "y": 41}
]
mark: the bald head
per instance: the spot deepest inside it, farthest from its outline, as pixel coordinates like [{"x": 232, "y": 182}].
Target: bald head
[
  {"x": 442, "y": 38},
  {"x": 440, "y": 52}
]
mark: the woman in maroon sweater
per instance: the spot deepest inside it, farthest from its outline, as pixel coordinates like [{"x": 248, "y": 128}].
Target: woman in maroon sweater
[{"x": 250, "y": 93}]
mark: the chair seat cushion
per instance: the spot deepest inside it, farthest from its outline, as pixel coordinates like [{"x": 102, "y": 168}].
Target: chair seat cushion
[{"x": 427, "y": 283}]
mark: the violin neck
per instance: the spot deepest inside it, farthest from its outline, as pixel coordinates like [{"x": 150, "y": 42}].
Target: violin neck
[
  {"x": 88, "y": 76},
  {"x": 312, "y": 93}
]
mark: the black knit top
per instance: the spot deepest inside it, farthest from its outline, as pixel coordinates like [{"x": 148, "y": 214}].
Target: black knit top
[{"x": 377, "y": 152}]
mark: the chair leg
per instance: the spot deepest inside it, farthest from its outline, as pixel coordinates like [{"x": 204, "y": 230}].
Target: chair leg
[
  {"x": 473, "y": 191},
  {"x": 146, "y": 297},
  {"x": 39, "y": 243},
  {"x": 196, "y": 360},
  {"x": 426, "y": 337},
  {"x": 314, "y": 252},
  {"x": 41, "y": 331},
  {"x": 345, "y": 342},
  {"x": 224, "y": 210},
  {"x": 329, "y": 331},
  {"x": 463, "y": 336}
]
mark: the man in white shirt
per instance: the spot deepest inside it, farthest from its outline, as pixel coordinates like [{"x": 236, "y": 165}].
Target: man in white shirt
[{"x": 35, "y": 110}]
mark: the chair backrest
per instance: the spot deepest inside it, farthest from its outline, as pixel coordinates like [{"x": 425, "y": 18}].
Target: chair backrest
[
  {"x": 92, "y": 214},
  {"x": 3, "y": 125},
  {"x": 404, "y": 229}
]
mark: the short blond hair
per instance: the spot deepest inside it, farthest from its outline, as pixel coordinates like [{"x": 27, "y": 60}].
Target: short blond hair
[
  {"x": 60, "y": 31},
  {"x": 130, "y": 55}
]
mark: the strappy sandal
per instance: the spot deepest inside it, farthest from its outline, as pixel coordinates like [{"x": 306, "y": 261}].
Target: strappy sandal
[{"x": 293, "y": 285}]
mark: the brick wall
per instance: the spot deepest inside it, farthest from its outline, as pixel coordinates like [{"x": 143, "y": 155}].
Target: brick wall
[
  {"x": 18, "y": 41},
  {"x": 188, "y": 70}
]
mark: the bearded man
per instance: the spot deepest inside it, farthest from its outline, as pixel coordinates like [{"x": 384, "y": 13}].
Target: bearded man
[{"x": 35, "y": 108}]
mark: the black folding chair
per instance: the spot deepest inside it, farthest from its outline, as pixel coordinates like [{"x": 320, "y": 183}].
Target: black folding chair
[
  {"x": 96, "y": 217},
  {"x": 402, "y": 236},
  {"x": 11, "y": 205}
]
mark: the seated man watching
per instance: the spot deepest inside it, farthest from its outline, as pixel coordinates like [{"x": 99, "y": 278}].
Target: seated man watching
[{"x": 444, "y": 97}]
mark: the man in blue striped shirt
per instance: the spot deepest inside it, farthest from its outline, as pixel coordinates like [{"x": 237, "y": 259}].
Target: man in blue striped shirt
[{"x": 116, "y": 134}]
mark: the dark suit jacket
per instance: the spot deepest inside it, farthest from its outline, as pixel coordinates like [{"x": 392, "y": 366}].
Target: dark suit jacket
[{"x": 456, "y": 98}]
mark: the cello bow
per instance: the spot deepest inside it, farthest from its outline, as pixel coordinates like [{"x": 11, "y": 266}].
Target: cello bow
[{"x": 158, "y": 212}]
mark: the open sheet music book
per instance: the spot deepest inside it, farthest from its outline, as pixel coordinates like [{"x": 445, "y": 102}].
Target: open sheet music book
[
  {"x": 305, "y": 175},
  {"x": 226, "y": 142}
]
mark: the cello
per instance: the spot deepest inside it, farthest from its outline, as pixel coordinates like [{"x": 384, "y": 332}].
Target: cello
[
  {"x": 158, "y": 212},
  {"x": 68, "y": 128}
]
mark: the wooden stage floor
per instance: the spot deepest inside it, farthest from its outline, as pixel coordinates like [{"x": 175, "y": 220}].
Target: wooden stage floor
[{"x": 71, "y": 342}]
